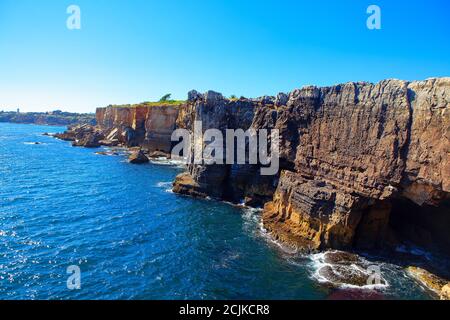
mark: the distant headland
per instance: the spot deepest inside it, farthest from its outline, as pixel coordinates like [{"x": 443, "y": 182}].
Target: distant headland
[{"x": 52, "y": 118}]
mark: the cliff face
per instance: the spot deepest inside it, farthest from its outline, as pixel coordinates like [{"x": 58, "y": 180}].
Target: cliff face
[
  {"x": 359, "y": 148},
  {"x": 427, "y": 165},
  {"x": 234, "y": 182},
  {"x": 353, "y": 157},
  {"x": 361, "y": 165},
  {"x": 148, "y": 126}
]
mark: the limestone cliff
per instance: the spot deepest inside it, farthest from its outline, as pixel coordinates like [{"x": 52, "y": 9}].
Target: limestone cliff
[
  {"x": 361, "y": 164},
  {"x": 139, "y": 125},
  {"x": 360, "y": 149},
  {"x": 228, "y": 182}
]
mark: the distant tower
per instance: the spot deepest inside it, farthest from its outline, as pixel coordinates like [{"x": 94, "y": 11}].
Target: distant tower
[{"x": 18, "y": 110}]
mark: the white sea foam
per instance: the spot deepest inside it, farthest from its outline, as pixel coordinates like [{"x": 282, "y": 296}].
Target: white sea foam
[
  {"x": 163, "y": 161},
  {"x": 318, "y": 263},
  {"x": 164, "y": 184}
]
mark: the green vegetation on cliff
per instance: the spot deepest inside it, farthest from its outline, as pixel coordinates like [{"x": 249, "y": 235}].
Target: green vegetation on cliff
[
  {"x": 166, "y": 103},
  {"x": 54, "y": 118}
]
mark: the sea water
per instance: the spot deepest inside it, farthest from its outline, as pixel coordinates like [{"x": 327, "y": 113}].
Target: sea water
[{"x": 131, "y": 237}]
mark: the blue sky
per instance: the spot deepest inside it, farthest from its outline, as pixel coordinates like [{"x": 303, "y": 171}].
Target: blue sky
[{"x": 136, "y": 50}]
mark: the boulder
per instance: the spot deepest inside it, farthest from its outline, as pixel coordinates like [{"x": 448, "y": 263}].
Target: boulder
[
  {"x": 341, "y": 269},
  {"x": 138, "y": 157}
]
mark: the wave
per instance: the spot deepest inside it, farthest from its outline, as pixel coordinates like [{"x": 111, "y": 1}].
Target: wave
[
  {"x": 163, "y": 161},
  {"x": 166, "y": 185},
  {"x": 347, "y": 270}
]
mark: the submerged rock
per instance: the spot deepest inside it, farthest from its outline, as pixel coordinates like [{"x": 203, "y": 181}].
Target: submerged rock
[{"x": 343, "y": 270}]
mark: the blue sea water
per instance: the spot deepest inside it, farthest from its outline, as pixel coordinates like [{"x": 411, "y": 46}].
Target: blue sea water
[{"x": 131, "y": 237}]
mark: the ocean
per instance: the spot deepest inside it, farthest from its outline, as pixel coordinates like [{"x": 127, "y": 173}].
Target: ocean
[{"x": 132, "y": 238}]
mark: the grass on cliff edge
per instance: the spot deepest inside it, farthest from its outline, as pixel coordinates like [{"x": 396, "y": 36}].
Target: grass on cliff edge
[{"x": 167, "y": 103}]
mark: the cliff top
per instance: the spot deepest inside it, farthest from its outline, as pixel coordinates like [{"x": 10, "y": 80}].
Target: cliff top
[{"x": 169, "y": 103}]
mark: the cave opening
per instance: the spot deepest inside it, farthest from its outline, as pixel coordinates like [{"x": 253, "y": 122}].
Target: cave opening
[
  {"x": 399, "y": 221},
  {"x": 424, "y": 226}
]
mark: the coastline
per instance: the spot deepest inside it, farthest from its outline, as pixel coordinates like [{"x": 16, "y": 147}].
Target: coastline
[
  {"x": 303, "y": 206},
  {"x": 338, "y": 287}
]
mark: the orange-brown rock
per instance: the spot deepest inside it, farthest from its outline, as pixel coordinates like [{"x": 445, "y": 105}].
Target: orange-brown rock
[
  {"x": 312, "y": 214},
  {"x": 438, "y": 286},
  {"x": 185, "y": 184},
  {"x": 149, "y": 126},
  {"x": 138, "y": 157}
]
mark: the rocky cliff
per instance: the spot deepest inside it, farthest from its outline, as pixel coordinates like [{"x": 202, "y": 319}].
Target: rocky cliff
[
  {"x": 362, "y": 165},
  {"x": 139, "y": 125},
  {"x": 229, "y": 182}
]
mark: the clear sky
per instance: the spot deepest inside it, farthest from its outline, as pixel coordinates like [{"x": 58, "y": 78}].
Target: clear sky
[{"x": 138, "y": 50}]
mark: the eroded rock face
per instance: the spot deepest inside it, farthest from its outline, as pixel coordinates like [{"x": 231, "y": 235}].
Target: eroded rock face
[
  {"x": 234, "y": 182},
  {"x": 354, "y": 147},
  {"x": 349, "y": 154},
  {"x": 159, "y": 125},
  {"x": 82, "y": 136},
  {"x": 346, "y": 152},
  {"x": 427, "y": 169},
  {"x": 139, "y": 125},
  {"x": 313, "y": 214}
]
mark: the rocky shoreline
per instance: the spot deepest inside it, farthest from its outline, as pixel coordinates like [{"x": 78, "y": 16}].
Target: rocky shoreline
[{"x": 362, "y": 166}]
